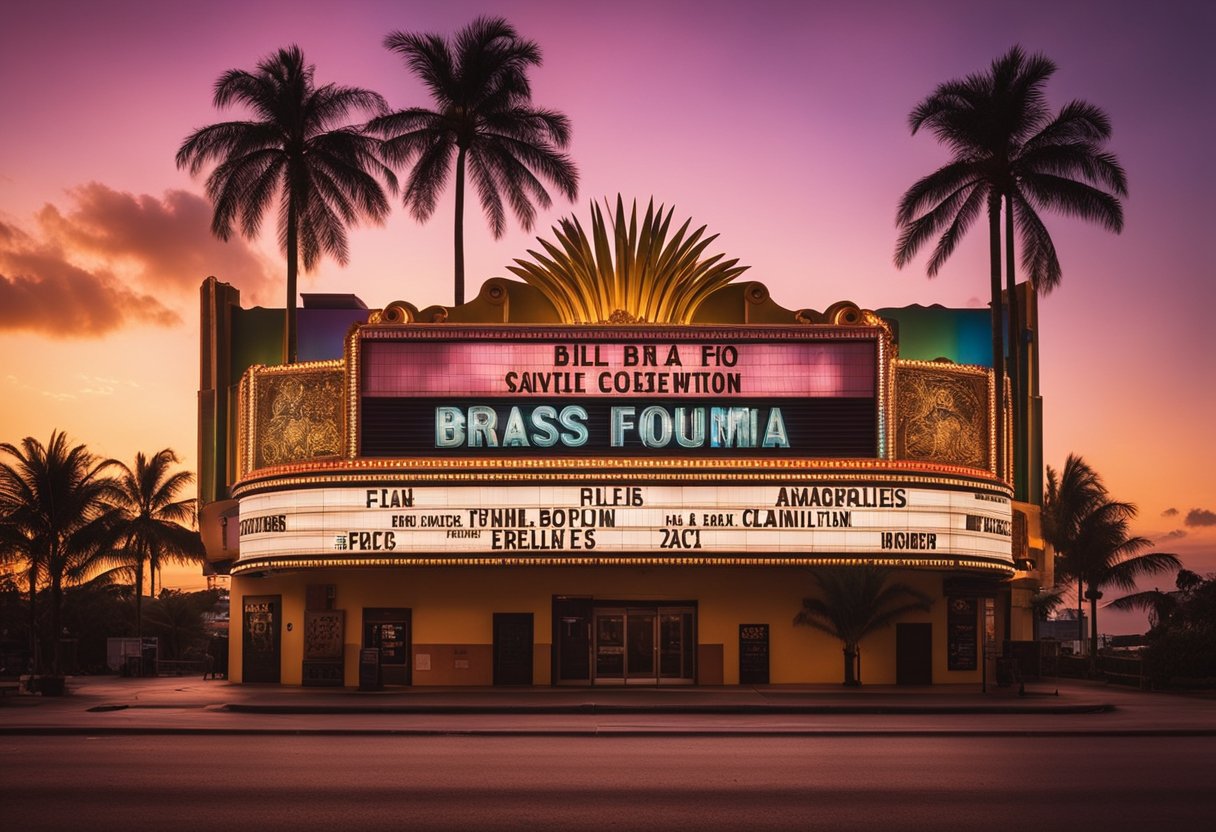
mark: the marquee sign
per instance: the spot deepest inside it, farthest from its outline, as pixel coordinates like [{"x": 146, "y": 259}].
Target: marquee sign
[
  {"x": 621, "y": 391},
  {"x": 545, "y": 520}
]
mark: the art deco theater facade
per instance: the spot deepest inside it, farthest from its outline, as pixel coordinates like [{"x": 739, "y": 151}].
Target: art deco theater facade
[{"x": 494, "y": 494}]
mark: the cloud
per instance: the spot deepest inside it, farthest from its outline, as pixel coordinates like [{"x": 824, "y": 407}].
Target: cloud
[
  {"x": 1200, "y": 517},
  {"x": 167, "y": 241},
  {"x": 1170, "y": 512},
  {"x": 41, "y": 291},
  {"x": 1176, "y": 534},
  {"x": 115, "y": 259}
]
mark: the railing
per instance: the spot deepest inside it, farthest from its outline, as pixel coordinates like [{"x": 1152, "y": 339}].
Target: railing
[
  {"x": 1123, "y": 670},
  {"x": 1116, "y": 670},
  {"x": 1072, "y": 667}
]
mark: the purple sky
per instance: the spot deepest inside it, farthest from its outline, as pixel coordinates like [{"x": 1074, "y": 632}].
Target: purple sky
[{"x": 782, "y": 126}]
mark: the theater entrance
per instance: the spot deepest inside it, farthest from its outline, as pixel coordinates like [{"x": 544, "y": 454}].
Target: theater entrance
[
  {"x": 642, "y": 644},
  {"x": 624, "y": 642}
]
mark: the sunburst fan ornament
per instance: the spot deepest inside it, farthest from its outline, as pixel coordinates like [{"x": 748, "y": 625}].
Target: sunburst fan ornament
[{"x": 632, "y": 274}]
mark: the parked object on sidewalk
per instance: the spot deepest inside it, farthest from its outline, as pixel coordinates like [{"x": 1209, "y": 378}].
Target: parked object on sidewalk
[{"x": 49, "y": 685}]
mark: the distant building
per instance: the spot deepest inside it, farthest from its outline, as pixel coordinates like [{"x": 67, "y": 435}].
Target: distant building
[
  {"x": 493, "y": 494},
  {"x": 1065, "y": 630}
]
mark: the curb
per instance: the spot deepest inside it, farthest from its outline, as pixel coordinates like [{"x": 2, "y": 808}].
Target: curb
[
  {"x": 598, "y": 708},
  {"x": 597, "y": 732}
]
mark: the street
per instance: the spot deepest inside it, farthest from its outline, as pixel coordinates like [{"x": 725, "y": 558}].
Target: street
[{"x": 596, "y": 783}]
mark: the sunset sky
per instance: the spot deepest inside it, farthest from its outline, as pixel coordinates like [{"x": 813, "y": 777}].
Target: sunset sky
[{"x": 780, "y": 125}]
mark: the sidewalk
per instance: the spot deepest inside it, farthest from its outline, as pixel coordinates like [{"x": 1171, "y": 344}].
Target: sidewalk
[{"x": 105, "y": 705}]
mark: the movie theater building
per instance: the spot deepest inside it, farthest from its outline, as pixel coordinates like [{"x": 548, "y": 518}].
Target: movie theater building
[{"x": 495, "y": 494}]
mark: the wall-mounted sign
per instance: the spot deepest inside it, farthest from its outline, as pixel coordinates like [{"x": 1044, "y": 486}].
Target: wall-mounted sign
[
  {"x": 962, "y": 633},
  {"x": 753, "y": 654},
  {"x": 623, "y": 391},
  {"x": 543, "y": 520},
  {"x": 639, "y": 366}
]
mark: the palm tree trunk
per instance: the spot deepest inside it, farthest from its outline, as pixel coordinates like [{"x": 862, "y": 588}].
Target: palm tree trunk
[
  {"x": 1093, "y": 631},
  {"x": 1080, "y": 613},
  {"x": 293, "y": 245},
  {"x": 56, "y": 625},
  {"x": 33, "y": 617},
  {"x": 460, "y": 226},
  {"x": 139, "y": 599},
  {"x": 850, "y": 660},
  {"x": 1015, "y": 358},
  {"x": 998, "y": 341}
]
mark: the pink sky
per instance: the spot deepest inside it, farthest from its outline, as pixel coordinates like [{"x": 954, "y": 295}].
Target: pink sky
[{"x": 782, "y": 126}]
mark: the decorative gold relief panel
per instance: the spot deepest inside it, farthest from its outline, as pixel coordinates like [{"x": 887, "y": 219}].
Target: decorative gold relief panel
[
  {"x": 298, "y": 413},
  {"x": 943, "y": 413}
]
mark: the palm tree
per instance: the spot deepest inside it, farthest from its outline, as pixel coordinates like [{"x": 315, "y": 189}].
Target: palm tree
[
  {"x": 1008, "y": 149},
  {"x": 1069, "y": 498},
  {"x": 484, "y": 114},
  {"x": 1105, "y": 553},
  {"x": 1159, "y": 605},
  {"x": 152, "y": 518},
  {"x": 297, "y": 146},
  {"x": 855, "y": 602},
  {"x": 177, "y": 619},
  {"x": 54, "y": 502},
  {"x": 19, "y": 552}
]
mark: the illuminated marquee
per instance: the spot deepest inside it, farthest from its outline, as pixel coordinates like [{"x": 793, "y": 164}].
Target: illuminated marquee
[
  {"x": 620, "y": 391},
  {"x": 523, "y": 520}
]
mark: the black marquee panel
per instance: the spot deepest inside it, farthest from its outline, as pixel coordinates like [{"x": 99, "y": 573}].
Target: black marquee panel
[{"x": 816, "y": 427}]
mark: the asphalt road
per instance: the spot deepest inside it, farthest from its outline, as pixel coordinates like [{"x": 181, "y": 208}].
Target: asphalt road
[{"x": 353, "y": 783}]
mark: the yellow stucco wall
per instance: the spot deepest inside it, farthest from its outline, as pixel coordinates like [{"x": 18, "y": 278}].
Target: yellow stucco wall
[{"x": 452, "y": 614}]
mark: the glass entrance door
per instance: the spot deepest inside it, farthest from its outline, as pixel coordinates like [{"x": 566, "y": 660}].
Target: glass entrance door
[
  {"x": 609, "y": 646},
  {"x": 639, "y": 657},
  {"x": 677, "y": 646},
  {"x": 644, "y": 646}
]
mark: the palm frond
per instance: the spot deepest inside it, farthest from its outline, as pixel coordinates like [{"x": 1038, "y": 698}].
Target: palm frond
[
  {"x": 429, "y": 58},
  {"x": 956, "y": 210},
  {"x": 393, "y": 127},
  {"x": 1074, "y": 160},
  {"x": 1074, "y": 199},
  {"x": 970, "y": 209},
  {"x": 944, "y": 183},
  {"x": 490, "y": 182},
  {"x": 329, "y": 107},
  {"x": 1039, "y": 258},
  {"x": 429, "y": 177},
  {"x": 1077, "y": 121}
]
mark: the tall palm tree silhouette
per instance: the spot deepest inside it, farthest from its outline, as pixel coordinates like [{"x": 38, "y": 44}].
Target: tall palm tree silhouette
[
  {"x": 1009, "y": 151},
  {"x": 1106, "y": 553},
  {"x": 483, "y": 114},
  {"x": 1070, "y": 496},
  {"x": 152, "y": 516},
  {"x": 325, "y": 173},
  {"x": 1092, "y": 538}
]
